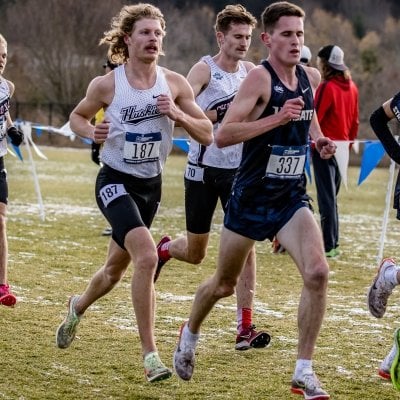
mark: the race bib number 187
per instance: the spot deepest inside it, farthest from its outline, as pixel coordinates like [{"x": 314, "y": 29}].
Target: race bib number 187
[
  {"x": 142, "y": 147},
  {"x": 111, "y": 192},
  {"x": 286, "y": 162}
]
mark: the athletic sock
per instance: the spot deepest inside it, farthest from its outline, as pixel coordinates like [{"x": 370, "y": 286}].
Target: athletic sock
[
  {"x": 391, "y": 275},
  {"x": 386, "y": 362},
  {"x": 189, "y": 338},
  {"x": 302, "y": 365},
  {"x": 244, "y": 318}
]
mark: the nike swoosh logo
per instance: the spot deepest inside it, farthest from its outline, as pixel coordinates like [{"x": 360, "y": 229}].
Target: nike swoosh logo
[
  {"x": 158, "y": 95},
  {"x": 304, "y": 90}
]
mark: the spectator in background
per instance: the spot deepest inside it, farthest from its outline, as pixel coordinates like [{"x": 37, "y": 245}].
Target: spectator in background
[
  {"x": 305, "y": 55},
  {"x": 336, "y": 104},
  {"x": 7, "y": 298},
  {"x": 99, "y": 117}
]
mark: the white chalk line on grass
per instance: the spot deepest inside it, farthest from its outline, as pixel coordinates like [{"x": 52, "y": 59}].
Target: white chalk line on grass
[{"x": 29, "y": 209}]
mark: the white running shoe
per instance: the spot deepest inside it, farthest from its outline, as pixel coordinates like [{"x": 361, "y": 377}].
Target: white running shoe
[
  {"x": 380, "y": 290},
  {"x": 309, "y": 386},
  {"x": 184, "y": 358},
  {"x": 154, "y": 369},
  {"x": 67, "y": 330}
]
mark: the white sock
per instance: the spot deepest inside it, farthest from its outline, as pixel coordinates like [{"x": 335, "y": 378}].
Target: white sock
[
  {"x": 386, "y": 362},
  {"x": 189, "y": 338},
  {"x": 302, "y": 365},
  {"x": 391, "y": 275}
]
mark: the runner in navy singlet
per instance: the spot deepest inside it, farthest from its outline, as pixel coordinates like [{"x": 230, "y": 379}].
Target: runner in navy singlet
[{"x": 273, "y": 115}]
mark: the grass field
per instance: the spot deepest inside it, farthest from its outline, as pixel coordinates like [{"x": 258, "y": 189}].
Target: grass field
[{"x": 54, "y": 258}]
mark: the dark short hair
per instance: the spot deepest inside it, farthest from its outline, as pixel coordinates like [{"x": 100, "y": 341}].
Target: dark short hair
[
  {"x": 275, "y": 11},
  {"x": 233, "y": 14}
]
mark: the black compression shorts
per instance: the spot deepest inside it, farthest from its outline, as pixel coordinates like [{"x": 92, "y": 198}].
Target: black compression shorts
[{"x": 126, "y": 202}]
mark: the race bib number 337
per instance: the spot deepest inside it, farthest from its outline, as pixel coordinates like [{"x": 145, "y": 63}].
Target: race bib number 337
[
  {"x": 286, "y": 162},
  {"x": 142, "y": 147}
]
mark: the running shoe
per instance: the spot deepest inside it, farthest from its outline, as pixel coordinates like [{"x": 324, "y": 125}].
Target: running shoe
[
  {"x": 380, "y": 290},
  {"x": 184, "y": 358},
  {"x": 309, "y": 386},
  {"x": 384, "y": 373},
  {"x": 154, "y": 369},
  {"x": 249, "y": 338},
  {"x": 332, "y": 253},
  {"x": 67, "y": 330},
  {"x": 163, "y": 255},
  {"x": 395, "y": 367},
  {"x": 7, "y": 298}
]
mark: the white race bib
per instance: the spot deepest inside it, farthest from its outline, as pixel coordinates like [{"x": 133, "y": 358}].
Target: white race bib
[
  {"x": 286, "y": 162},
  {"x": 111, "y": 192},
  {"x": 142, "y": 147},
  {"x": 194, "y": 173}
]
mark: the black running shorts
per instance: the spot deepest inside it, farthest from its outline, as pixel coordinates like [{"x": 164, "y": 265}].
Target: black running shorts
[
  {"x": 201, "y": 197},
  {"x": 254, "y": 217},
  {"x": 126, "y": 202}
]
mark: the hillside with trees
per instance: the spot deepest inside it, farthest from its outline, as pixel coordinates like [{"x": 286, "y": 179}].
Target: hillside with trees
[{"x": 54, "y": 52}]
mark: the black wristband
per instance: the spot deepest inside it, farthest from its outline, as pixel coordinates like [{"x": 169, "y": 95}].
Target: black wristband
[{"x": 379, "y": 123}]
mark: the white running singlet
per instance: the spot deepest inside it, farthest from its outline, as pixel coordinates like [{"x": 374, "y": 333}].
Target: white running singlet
[
  {"x": 4, "y": 107},
  {"x": 140, "y": 138},
  {"x": 220, "y": 91}
]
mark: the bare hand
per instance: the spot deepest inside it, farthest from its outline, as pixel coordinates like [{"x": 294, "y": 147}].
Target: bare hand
[
  {"x": 326, "y": 147},
  {"x": 167, "y": 106},
  {"x": 101, "y": 131},
  {"x": 291, "y": 110}
]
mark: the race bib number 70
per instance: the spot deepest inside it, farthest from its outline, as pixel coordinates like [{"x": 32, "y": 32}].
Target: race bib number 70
[
  {"x": 194, "y": 173},
  {"x": 286, "y": 162}
]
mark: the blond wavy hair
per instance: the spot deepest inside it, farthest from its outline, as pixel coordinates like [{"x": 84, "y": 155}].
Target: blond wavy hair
[{"x": 123, "y": 24}]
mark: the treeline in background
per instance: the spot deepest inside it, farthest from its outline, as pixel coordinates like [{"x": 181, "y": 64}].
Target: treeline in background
[{"x": 54, "y": 52}]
